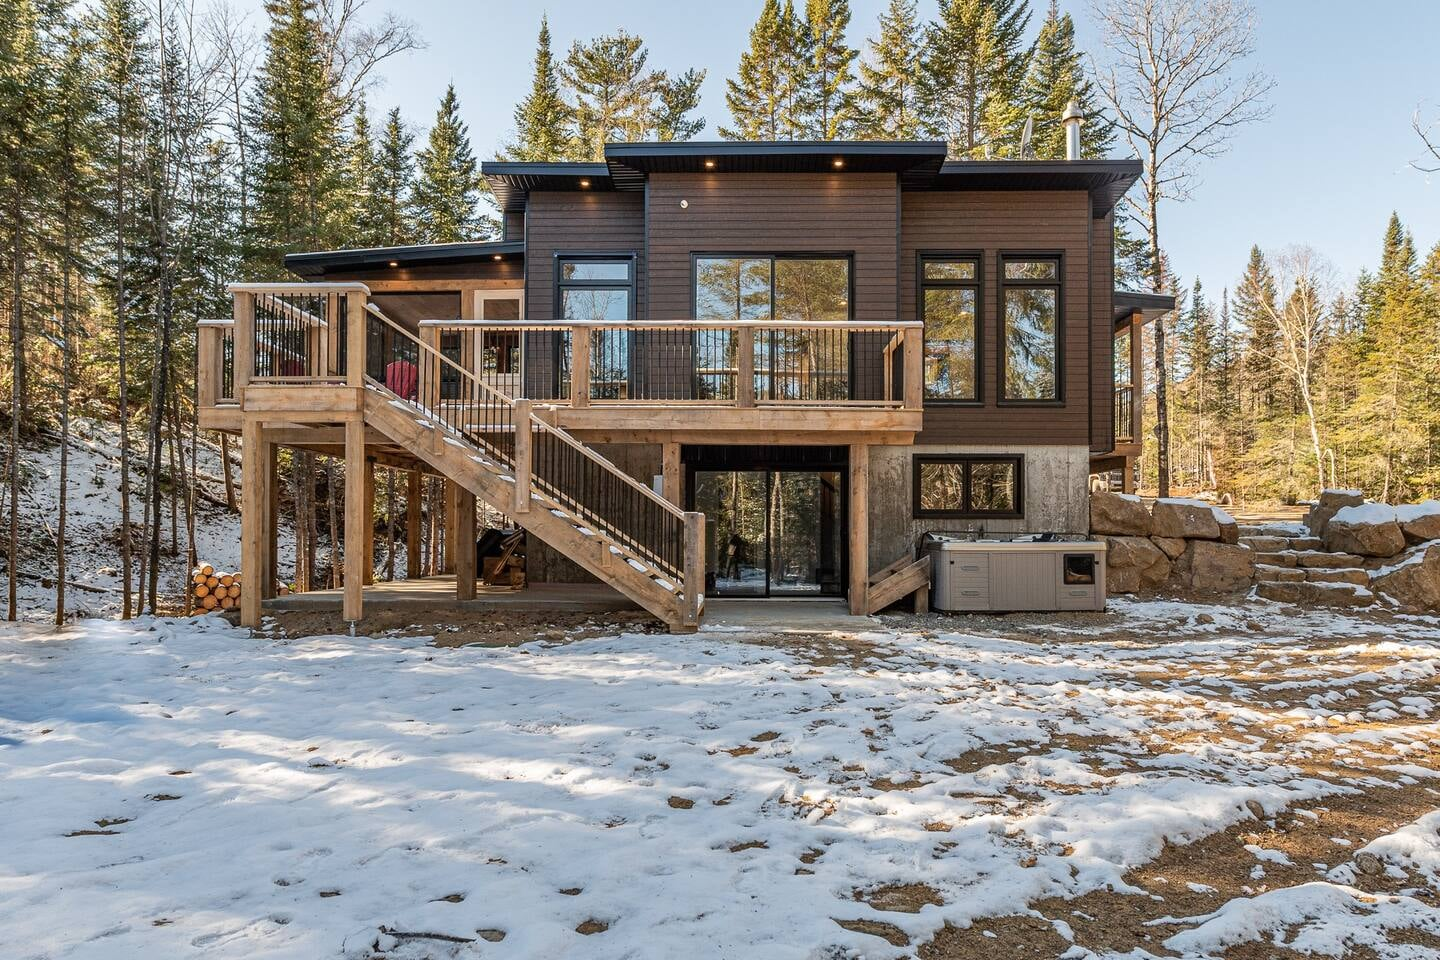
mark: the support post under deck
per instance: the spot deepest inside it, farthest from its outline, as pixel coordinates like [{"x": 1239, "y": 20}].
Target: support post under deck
[{"x": 353, "y": 605}]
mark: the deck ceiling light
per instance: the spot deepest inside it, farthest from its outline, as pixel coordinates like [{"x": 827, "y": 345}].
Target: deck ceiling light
[
  {"x": 837, "y": 163},
  {"x": 584, "y": 183},
  {"x": 394, "y": 263},
  {"x": 498, "y": 257},
  {"x": 709, "y": 164}
]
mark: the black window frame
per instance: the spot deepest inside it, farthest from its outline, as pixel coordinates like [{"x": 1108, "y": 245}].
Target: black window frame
[
  {"x": 774, "y": 257},
  {"x": 562, "y": 257},
  {"x": 923, "y": 257},
  {"x": 1058, "y": 285},
  {"x": 965, "y": 460}
]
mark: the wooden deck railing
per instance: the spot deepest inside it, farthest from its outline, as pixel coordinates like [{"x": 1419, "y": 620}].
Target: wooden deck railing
[{"x": 681, "y": 362}]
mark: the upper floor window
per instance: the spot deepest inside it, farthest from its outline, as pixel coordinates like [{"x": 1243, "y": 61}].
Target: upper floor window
[
  {"x": 949, "y": 306},
  {"x": 764, "y": 288},
  {"x": 1030, "y": 338},
  {"x": 595, "y": 289}
]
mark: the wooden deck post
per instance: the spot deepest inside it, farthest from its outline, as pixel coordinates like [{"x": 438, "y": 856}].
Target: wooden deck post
[
  {"x": 353, "y": 605},
  {"x": 580, "y": 367},
  {"x": 522, "y": 456},
  {"x": 465, "y": 546},
  {"x": 270, "y": 571},
  {"x": 671, "y": 472},
  {"x": 452, "y": 513},
  {"x": 414, "y": 519},
  {"x": 745, "y": 368},
  {"x": 860, "y": 525},
  {"x": 244, "y": 348},
  {"x": 369, "y": 509},
  {"x": 355, "y": 340},
  {"x": 914, "y": 369},
  {"x": 694, "y": 566},
  {"x": 207, "y": 364},
  {"x": 252, "y": 518}
]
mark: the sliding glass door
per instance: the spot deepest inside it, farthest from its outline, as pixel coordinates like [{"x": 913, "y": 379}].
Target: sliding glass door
[{"x": 772, "y": 533}]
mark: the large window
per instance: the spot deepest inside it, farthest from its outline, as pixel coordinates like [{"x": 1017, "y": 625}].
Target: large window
[
  {"x": 806, "y": 289},
  {"x": 973, "y": 487},
  {"x": 599, "y": 290},
  {"x": 1030, "y": 339},
  {"x": 949, "y": 305},
  {"x": 799, "y": 288}
]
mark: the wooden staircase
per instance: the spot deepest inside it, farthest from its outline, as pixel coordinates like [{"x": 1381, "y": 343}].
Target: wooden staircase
[
  {"x": 899, "y": 580},
  {"x": 551, "y": 484}
]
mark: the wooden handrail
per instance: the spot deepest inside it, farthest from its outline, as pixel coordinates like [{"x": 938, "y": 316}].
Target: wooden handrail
[
  {"x": 535, "y": 420},
  {"x": 352, "y": 286},
  {"x": 532, "y": 325}
]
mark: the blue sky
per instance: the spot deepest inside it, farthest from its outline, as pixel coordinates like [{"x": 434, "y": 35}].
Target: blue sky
[{"x": 1326, "y": 169}]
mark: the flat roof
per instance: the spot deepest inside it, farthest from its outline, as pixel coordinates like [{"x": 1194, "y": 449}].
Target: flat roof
[
  {"x": 1149, "y": 305},
  {"x": 375, "y": 258},
  {"x": 919, "y": 164}
]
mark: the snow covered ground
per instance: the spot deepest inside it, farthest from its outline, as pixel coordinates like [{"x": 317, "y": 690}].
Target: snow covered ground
[
  {"x": 93, "y": 525},
  {"x": 179, "y": 788}
]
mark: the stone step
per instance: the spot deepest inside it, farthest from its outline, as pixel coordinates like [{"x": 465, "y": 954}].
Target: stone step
[
  {"x": 1338, "y": 575},
  {"x": 1271, "y": 530},
  {"x": 1306, "y": 594},
  {"x": 1304, "y": 543},
  {"x": 1277, "y": 559},
  {"x": 1324, "y": 558},
  {"x": 1265, "y": 544},
  {"x": 1266, "y": 573}
]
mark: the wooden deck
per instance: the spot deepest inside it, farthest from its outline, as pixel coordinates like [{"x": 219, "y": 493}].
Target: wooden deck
[{"x": 438, "y": 593}]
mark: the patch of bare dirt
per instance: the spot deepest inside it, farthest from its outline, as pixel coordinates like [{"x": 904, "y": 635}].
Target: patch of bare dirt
[
  {"x": 900, "y": 897},
  {"x": 888, "y": 932},
  {"x": 592, "y": 926},
  {"x": 459, "y": 628}
]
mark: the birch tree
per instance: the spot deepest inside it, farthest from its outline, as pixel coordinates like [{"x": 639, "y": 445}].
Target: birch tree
[{"x": 1174, "y": 74}]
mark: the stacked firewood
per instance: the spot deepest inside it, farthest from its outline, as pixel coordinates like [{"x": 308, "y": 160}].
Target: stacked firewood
[
  {"x": 215, "y": 589},
  {"x": 218, "y": 590}
]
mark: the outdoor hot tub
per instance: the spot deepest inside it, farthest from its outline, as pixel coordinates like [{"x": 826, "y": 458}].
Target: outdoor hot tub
[{"x": 1027, "y": 573}]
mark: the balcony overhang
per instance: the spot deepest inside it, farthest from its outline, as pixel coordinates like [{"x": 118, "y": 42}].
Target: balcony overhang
[{"x": 764, "y": 423}]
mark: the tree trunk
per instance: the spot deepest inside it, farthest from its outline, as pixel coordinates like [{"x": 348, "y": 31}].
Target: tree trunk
[
  {"x": 1162, "y": 410},
  {"x": 17, "y": 399},
  {"x": 66, "y": 373}
]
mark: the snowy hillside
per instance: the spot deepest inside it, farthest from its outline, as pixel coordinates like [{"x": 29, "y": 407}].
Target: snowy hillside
[{"x": 93, "y": 531}]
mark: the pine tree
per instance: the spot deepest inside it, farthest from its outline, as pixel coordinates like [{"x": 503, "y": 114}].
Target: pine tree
[
  {"x": 391, "y": 206},
  {"x": 1255, "y": 308},
  {"x": 829, "y": 69},
  {"x": 972, "y": 74},
  {"x": 361, "y": 170},
  {"x": 448, "y": 187},
  {"x": 295, "y": 117},
  {"x": 542, "y": 119},
  {"x": 756, "y": 97},
  {"x": 887, "y": 98},
  {"x": 613, "y": 91},
  {"x": 679, "y": 98},
  {"x": 1056, "y": 76}
]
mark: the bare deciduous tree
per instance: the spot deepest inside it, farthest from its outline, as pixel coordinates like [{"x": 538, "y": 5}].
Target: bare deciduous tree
[
  {"x": 1301, "y": 321},
  {"x": 1174, "y": 77},
  {"x": 1429, "y": 134},
  {"x": 356, "y": 49}
]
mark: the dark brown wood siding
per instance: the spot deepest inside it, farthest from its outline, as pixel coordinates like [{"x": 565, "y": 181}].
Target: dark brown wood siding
[
  {"x": 570, "y": 222},
  {"x": 1102, "y": 334},
  {"x": 772, "y": 213},
  {"x": 512, "y": 268},
  {"x": 574, "y": 222},
  {"x": 1012, "y": 222}
]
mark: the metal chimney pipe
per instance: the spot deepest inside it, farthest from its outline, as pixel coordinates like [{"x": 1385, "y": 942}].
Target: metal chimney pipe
[{"x": 1072, "y": 118}]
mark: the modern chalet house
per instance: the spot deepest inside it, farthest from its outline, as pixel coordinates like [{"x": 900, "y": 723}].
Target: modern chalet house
[{"x": 723, "y": 369}]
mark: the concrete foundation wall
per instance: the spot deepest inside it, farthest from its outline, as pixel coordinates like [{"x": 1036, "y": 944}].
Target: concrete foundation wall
[
  {"x": 544, "y": 565},
  {"x": 1056, "y": 497}
]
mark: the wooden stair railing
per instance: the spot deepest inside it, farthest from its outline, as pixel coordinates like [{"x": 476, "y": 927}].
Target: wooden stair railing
[
  {"x": 541, "y": 476},
  {"x": 897, "y": 581}
]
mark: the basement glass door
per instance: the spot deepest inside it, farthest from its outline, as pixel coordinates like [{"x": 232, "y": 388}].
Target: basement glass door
[{"x": 772, "y": 533}]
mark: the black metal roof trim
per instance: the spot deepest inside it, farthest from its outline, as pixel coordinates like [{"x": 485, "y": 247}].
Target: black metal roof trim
[
  {"x": 1106, "y": 180},
  {"x": 370, "y": 258},
  {"x": 1150, "y": 305},
  {"x": 511, "y": 180}
]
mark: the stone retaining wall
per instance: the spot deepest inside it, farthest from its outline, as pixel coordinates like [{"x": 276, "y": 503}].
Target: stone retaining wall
[{"x": 1179, "y": 545}]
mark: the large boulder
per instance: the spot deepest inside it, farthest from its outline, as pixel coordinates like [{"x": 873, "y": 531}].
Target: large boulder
[
  {"x": 1118, "y": 514},
  {"x": 1414, "y": 583},
  {"x": 1419, "y": 521},
  {"x": 1210, "y": 567},
  {"x": 1189, "y": 519},
  {"x": 1369, "y": 529},
  {"x": 1172, "y": 546},
  {"x": 1330, "y": 503},
  {"x": 1133, "y": 564},
  {"x": 1316, "y": 594}
]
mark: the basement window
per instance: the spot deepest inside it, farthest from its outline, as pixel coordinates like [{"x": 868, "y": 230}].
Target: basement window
[{"x": 978, "y": 487}]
